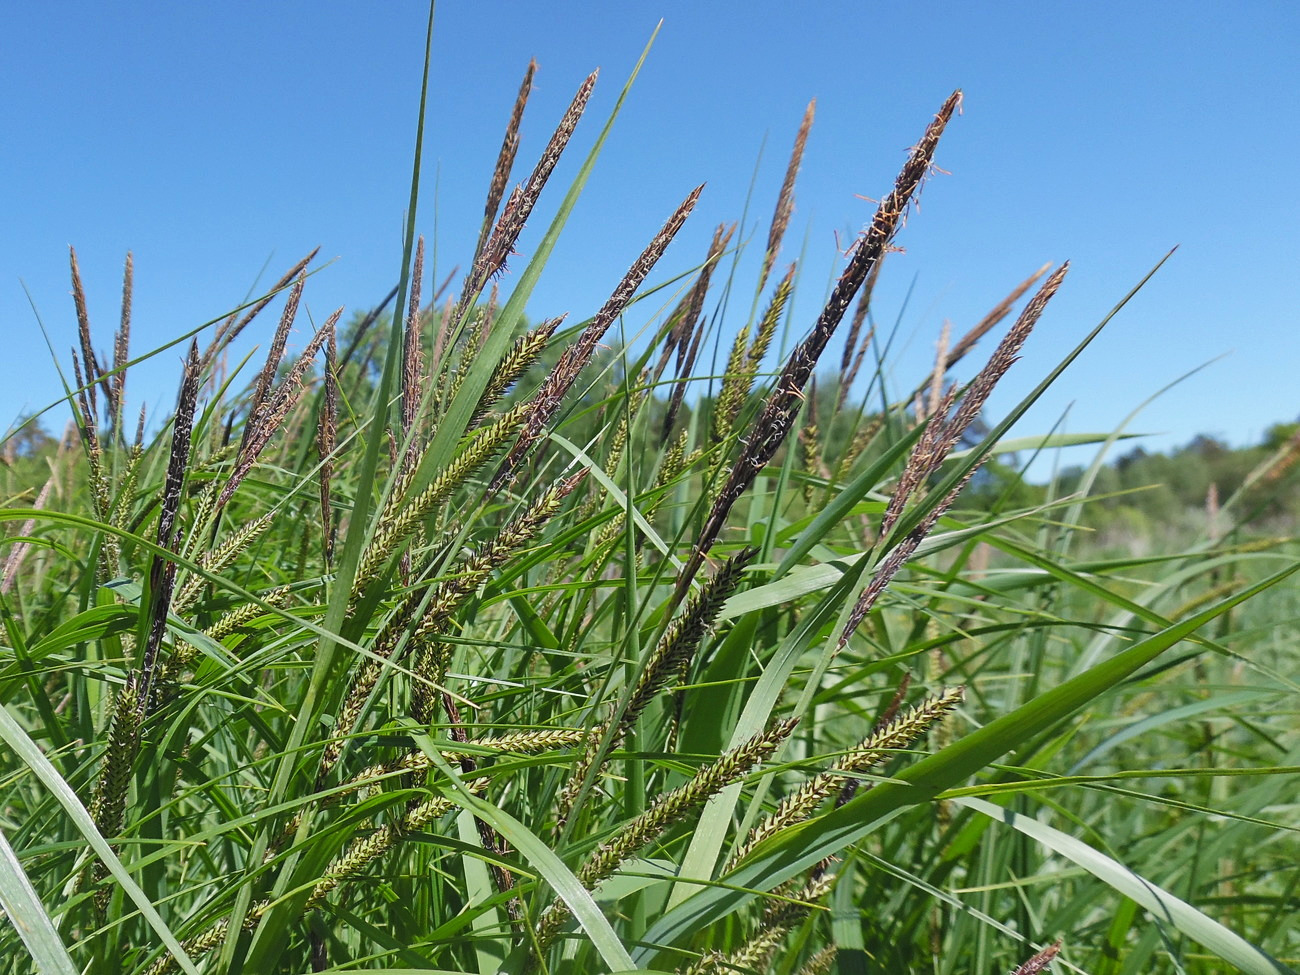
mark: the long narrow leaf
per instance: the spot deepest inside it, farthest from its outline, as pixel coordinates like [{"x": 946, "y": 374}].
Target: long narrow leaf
[
  {"x": 1164, "y": 906},
  {"x": 27, "y": 914},
  {"x": 27, "y": 751}
]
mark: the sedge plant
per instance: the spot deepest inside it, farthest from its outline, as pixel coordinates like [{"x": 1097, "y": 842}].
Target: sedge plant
[{"x": 499, "y": 652}]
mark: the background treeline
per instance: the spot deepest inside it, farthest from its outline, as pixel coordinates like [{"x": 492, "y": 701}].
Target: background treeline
[{"x": 1139, "y": 499}]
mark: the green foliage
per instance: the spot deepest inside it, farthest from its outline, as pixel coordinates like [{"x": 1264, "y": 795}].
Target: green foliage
[{"x": 424, "y": 660}]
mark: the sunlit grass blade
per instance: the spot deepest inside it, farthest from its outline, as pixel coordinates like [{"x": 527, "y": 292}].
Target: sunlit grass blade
[
  {"x": 1164, "y": 907},
  {"x": 27, "y": 914},
  {"x": 31, "y": 756}
]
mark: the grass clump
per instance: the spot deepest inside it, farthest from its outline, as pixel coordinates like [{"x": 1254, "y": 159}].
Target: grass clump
[{"x": 439, "y": 663}]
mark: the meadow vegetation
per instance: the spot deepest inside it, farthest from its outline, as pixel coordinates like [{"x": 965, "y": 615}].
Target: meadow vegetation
[{"x": 465, "y": 643}]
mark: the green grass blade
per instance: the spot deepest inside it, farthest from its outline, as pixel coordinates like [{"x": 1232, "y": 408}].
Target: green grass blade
[
  {"x": 453, "y": 425},
  {"x": 1163, "y": 905},
  {"x": 539, "y": 854},
  {"x": 271, "y": 931},
  {"x": 28, "y": 752},
  {"x": 27, "y": 914}
]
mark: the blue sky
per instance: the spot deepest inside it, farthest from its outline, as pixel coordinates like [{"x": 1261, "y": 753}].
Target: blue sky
[{"x": 209, "y": 138}]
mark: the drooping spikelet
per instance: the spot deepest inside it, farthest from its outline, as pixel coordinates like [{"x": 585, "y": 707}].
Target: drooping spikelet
[
  {"x": 437, "y": 603},
  {"x": 670, "y": 657},
  {"x": 785, "y": 199},
  {"x": 243, "y": 615},
  {"x": 109, "y": 805},
  {"x": 365, "y": 851},
  {"x": 767, "y": 325},
  {"x": 779, "y": 918},
  {"x": 667, "y": 809},
  {"x": 873, "y": 750},
  {"x": 115, "y": 775},
  {"x": 121, "y": 511},
  {"x": 221, "y": 557},
  {"x": 672, "y": 464},
  {"x": 515, "y": 363},
  {"x": 100, "y": 491},
  {"x": 745, "y": 359},
  {"x": 403, "y": 515},
  {"x": 571, "y": 363},
  {"x": 821, "y": 961},
  {"x": 342, "y": 869},
  {"x": 519, "y": 743},
  {"x": 430, "y": 652}
]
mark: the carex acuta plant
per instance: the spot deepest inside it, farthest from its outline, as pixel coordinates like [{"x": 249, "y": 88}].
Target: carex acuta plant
[{"x": 451, "y": 641}]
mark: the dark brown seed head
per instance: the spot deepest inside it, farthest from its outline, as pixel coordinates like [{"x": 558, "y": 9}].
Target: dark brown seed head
[
  {"x": 783, "y": 405},
  {"x": 230, "y": 328},
  {"x": 785, "y": 199},
  {"x": 505, "y": 159},
  {"x": 565, "y": 373},
  {"x": 412, "y": 357}
]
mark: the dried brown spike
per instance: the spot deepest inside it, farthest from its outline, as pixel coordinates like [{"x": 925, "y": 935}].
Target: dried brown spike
[
  {"x": 273, "y": 356},
  {"x": 859, "y": 316},
  {"x": 783, "y": 405},
  {"x": 930, "y": 451},
  {"x": 412, "y": 357},
  {"x": 359, "y": 333},
  {"x": 785, "y": 199},
  {"x": 1003, "y": 356},
  {"x": 441, "y": 289},
  {"x": 18, "y": 553},
  {"x": 121, "y": 345},
  {"x": 523, "y": 199},
  {"x": 93, "y": 371},
  {"x": 227, "y": 331},
  {"x": 851, "y": 362},
  {"x": 326, "y": 435},
  {"x": 505, "y": 159},
  {"x": 999, "y": 312},
  {"x": 440, "y": 337},
  {"x": 690, "y": 332},
  {"x": 940, "y": 367},
  {"x": 276, "y": 407},
  {"x": 1040, "y": 962},
  {"x": 85, "y": 419},
  {"x": 566, "y": 371},
  {"x": 936, "y": 443},
  {"x": 162, "y": 572}
]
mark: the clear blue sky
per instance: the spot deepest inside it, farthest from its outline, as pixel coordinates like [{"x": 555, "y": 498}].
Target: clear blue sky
[{"x": 208, "y": 138}]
